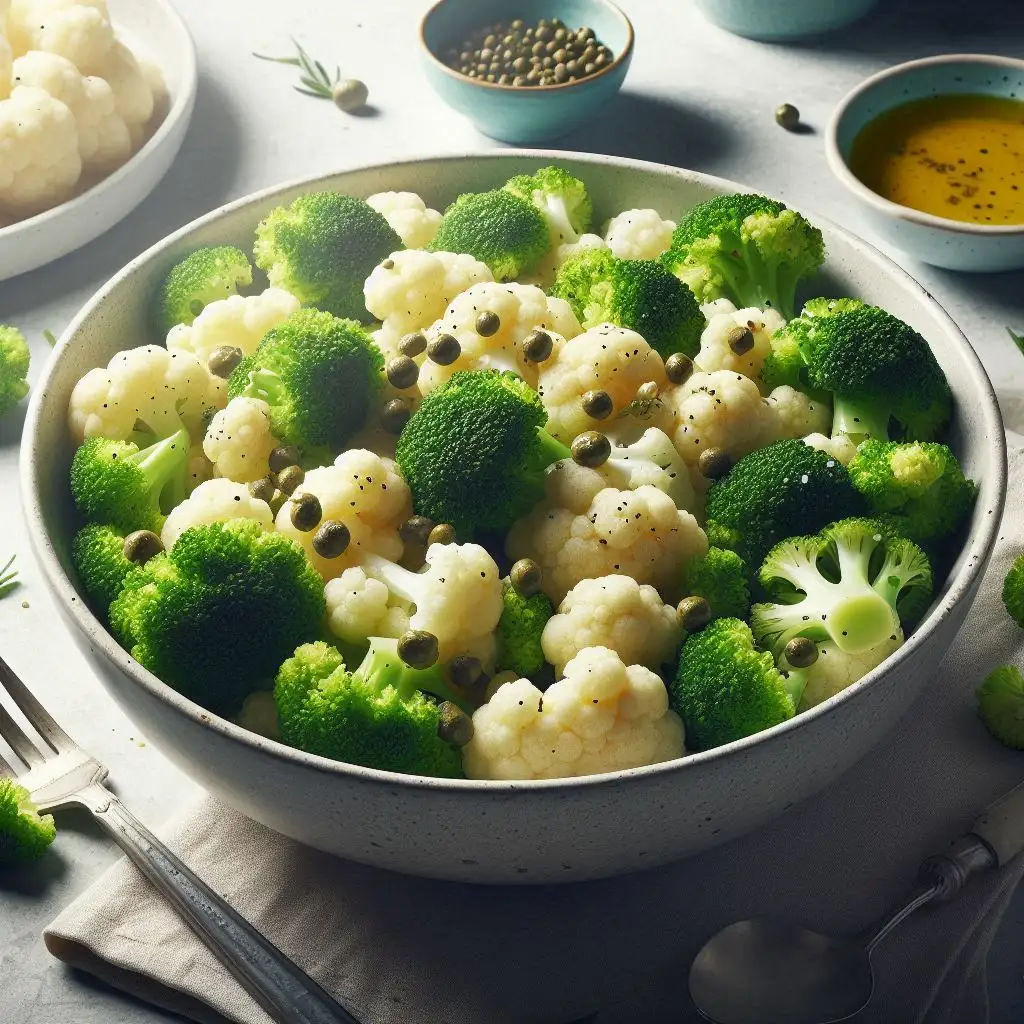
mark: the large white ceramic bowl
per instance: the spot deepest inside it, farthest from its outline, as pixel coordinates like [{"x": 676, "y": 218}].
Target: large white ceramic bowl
[
  {"x": 154, "y": 30},
  {"x": 518, "y": 832}
]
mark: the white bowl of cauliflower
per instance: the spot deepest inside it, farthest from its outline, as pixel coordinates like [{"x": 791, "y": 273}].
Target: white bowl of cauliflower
[
  {"x": 439, "y": 551},
  {"x": 95, "y": 99}
]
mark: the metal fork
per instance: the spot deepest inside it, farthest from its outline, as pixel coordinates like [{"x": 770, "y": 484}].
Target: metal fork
[{"x": 58, "y": 773}]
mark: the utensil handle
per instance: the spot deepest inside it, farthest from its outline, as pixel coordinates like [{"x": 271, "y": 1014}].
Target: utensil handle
[
  {"x": 1002, "y": 825},
  {"x": 287, "y": 994}
]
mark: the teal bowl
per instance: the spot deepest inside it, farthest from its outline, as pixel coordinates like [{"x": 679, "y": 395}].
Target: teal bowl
[
  {"x": 518, "y": 115},
  {"x": 783, "y": 19},
  {"x": 952, "y": 244}
]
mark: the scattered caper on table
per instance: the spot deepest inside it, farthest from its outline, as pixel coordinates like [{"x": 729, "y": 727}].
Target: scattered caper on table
[{"x": 788, "y": 117}]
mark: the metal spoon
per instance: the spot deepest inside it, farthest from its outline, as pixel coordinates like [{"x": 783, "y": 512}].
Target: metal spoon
[{"x": 768, "y": 972}]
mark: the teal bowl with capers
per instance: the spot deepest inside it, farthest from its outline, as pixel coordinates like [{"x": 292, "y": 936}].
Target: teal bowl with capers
[{"x": 519, "y": 114}]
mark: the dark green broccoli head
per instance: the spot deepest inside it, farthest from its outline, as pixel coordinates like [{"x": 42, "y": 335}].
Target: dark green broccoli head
[
  {"x": 884, "y": 378},
  {"x": 14, "y": 363},
  {"x": 320, "y": 376},
  {"x": 322, "y": 248},
  {"x": 563, "y": 201},
  {"x": 202, "y": 277},
  {"x": 474, "y": 452},
  {"x": 1001, "y": 705},
  {"x": 24, "y": 832},
  {"x": 783, "y": 490},
  {"x": 747, "y": 248},
  {"x": 1013, "y": 591},
  {"x": 639, "y": 294},
  {"x": 216, "y": 615},
  {"x": 376, "y": 716},
  {"x": 498, "y": 228},
  {"x": 725, "y": 689},
  {"x": 97, "y": 553},
  {"x": 721, "y": 577},
  {"x": 121, "y": 485},
  {"x": 918, "y": 487},
  {"x": 519, "y": 631}
]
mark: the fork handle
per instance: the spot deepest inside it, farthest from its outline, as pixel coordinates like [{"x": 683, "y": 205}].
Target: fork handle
[{"x": 287, "y": 994}]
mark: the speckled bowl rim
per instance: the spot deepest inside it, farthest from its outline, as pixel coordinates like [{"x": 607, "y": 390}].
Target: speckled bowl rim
[
  {"x": 896, "y": 211},
  {"x": 181, "y": 107},
  {"x": 620, "y": 58},
  {"x": 34, "y": 458}
]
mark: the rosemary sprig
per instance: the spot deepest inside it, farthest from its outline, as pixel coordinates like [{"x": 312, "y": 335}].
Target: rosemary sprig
[
  {"x": 8, "y": 577},
  {"x": 1017, "y": 339},
  {"x": 314, "y": 78},
  {"x": 51, "y": 338}
]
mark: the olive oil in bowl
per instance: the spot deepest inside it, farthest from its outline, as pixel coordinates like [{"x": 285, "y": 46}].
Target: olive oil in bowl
[{"x": 955, "y": 156}]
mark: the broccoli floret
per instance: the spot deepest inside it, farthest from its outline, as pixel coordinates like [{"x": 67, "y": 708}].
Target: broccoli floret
[
  {"x": 319, "y": 375},
  {"x": 783, "y": 490},
  {"x": 1013, "y": 591},
  {"x": 519, "y": 631},
  {"x": 14, "y": 362},
  {"x": 639, "y": 294},
  {"x": 322, "y": 247},
  {"x": 725, "y": 689},
  {"x": 721, "y": 577},
  {"x": 562, "y": 200},
  {"x": 216, "y": 615},
  {"x": 850, "y": 585},
  {"x": 24, "y": 832},
  {"x": 475, "y": 451},
  {"x": 1001, "y": 705},
  {"x": 918, "y": 487},
  {"x": 97, "y": 553},
  {"x": 202, "y": 277},
  {"x": 498, "y": 228},
  {"x": 122, "y": 485},
  {"x": 747, "y": 248},
  {"x": 884, "y": 379},
  {"x": 376, "y": 716}
]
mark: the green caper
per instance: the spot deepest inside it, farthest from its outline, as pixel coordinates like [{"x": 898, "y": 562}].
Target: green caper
[
  {"x": 526, "y": 577},
  {"x": 223, "y": 360},
  {"x": 283, "y": 457},
  {"x": 394, "y": 416},
  {"x": 598, "y": 405},
  {"x": 141, "y": 546},
  {"x": 277, "y": 501},
  {"x": 454, "y": 726},
  {"x": 416, "y": 530},
  {"x": 740, "y": 339},
  {"x": 714, "y": 463},
  {"x": 693, "y": 613},
  {"x": 443, "y": 533},
  {"x": 465, "y": 671},
  {"x": 289, "y": 478},
  {"x": 444, "y": 349},
  {"x": 331, "y": 539},
  {"x": 413, "y": 345},
  {"x": 402, "y": 372},
  {"x": 418, "y": 648},
  {"x": 787, "y": 116},
  {"x": 388, "y": 265},
  {"x": 801, "y": 652},
  {"x": 263, "y": 489},
  {"x": 678, "y": 368},
  {"x": 350, "y": 94},
  {"x": 306, "y": 512},
  {"x": 488, "y": 324},
  {"x": 591, "y": 449},
  {"x": 537, "y": 346}
]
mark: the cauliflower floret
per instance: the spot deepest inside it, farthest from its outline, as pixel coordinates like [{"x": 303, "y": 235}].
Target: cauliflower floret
[
  {"x": 408, "y": 216},
  {"x": 719, "y": 410},
  {"x": 200, "y": 469},
  {"x": 638, "y": 234},
  {"x": 359, "y": 606},
  {"x": 160, "y": 389},
  {"x": 637, "y": 533},
  {"x": 716, "y": 351},
  {"x": 716, "y": 306},
  {"x": 602, "y": 717},
  {"x": 132, "y": 94},
  {"x": 239, "y": 321},
  {"x": 412, "y": 288},
  {"x": 239, "y": 440},
  {"x": 520, "y": 309},
  {"x": 79, "y": 30},
  {"x": 834, "y": 671},
  {"x": 544, "y": 274},
  {"x": 6, "y": 60},
  {"x": 606, "y": 358},
  {"x": 840, "y": 447},
  {"x": 39, "y": 161},
  {"x": 797, "y": 414},
  {"x": 215, "y": 501},
  {"x": 365, "y": 492},
  {"x": 615, "y": 612},
  {"x": 103, "y": 140},
  {"x": 259, "y": 714}
]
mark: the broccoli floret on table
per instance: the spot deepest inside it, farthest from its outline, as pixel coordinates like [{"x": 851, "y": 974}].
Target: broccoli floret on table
[
  {"x": 202, "y": 277},
  {"x": 1001, "y": 705},
  {"x": 24, "y": 832},
  {"x": 1013, "y": 591},
  {"x": 14, "y": 363}
]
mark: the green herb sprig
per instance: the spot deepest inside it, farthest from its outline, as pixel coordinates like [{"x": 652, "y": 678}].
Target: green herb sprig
[
  {"x": 8, "y": 577},
  {"x": 1017, "y": 339},
  {"x": 315, "y": 79}
]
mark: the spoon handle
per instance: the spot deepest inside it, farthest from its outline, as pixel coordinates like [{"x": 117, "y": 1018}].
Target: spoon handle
[{"x": 1001, "y": 825}]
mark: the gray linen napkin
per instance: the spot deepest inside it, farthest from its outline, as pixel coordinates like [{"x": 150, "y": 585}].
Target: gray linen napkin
[{"x": 401, "y": 950}]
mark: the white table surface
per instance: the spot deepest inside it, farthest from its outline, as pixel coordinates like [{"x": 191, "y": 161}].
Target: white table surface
[{"x": 695, "y": 97}]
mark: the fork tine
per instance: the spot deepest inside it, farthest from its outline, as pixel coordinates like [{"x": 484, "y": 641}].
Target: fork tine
[
  {"x": 36, "y": 714},
  {"x": 18, "y": 741}
]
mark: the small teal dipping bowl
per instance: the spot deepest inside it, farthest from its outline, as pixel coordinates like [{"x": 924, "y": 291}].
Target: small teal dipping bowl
[
  {"x": 952, "y": 244},
  {"x": 517, "y": 114},
  {"x": 776, "y": 20}
]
